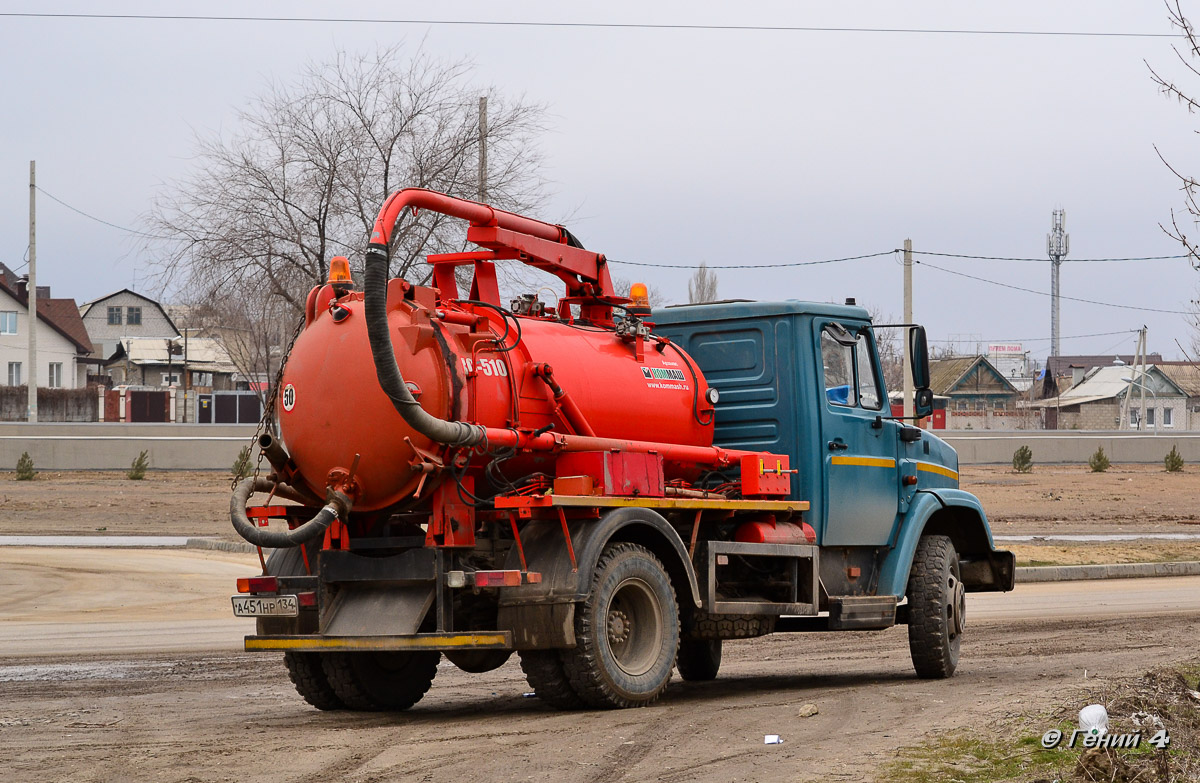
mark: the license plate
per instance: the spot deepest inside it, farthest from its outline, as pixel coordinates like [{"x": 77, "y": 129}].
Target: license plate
[{"x": 265, "y": 606}]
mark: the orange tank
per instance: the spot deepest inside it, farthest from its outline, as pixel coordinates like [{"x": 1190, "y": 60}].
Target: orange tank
[{"x": 331, "y": 406}]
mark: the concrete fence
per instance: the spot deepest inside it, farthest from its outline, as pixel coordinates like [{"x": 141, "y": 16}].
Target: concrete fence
[
  {"x": 1048, "y": 447},
  {"x": 115, "y": 446},
  {"x": 215, "y": 446}
]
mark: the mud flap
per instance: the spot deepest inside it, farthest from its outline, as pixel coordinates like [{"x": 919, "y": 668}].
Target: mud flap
[
  {"x": 539, "y": 626},
  {"x": 367, "y": 610}
]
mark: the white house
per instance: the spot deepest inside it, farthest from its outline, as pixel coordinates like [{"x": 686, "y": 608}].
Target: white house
[{"x": 62, "y": 342}]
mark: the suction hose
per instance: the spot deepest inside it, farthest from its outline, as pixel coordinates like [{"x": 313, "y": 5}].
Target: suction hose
[
  {"x": 451, "y": 433},
  {"x": 338, "y": 505}
]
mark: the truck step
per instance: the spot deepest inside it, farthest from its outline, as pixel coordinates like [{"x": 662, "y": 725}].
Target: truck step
[{"x": 861, "y": 612}]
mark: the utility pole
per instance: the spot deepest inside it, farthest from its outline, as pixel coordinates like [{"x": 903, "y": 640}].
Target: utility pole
[
  {"x": 483, "y": 149},
  {"x": 31, "y": 296},
  {"x": 1058, "y": 244},
  {"x": 908, "y": 319}
]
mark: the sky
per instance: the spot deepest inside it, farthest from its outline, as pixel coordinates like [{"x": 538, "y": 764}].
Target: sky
[{"x": 733, "y": 147}]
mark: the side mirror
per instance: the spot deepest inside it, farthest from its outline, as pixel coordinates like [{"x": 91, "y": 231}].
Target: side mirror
[
  {"x": 923, "y": 404},
  {"x": 918, "y": 351}
]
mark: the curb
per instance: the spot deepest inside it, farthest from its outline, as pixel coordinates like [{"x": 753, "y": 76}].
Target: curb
[
  {"x": 1025, "y": 574},
  {"x": 224, "y": 546},
  {"x": 1114, "y": 571}
]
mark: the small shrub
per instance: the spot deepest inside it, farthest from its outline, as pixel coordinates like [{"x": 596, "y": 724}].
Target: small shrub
[
  {"x": 137, "y": 471},
  {"x": 1173, "y": 461},
  {"x": 1098, "y": 462},
  {"x": 25, "y": 471},
  {"x": 1023, "y": 460},
  {"x": 241, "y": 465}
]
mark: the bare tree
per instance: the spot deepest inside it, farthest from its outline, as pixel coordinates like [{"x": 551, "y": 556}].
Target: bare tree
[
  {"x": 891, "y": 350},
  {"x": 1173, "y": 89},
  {"x": 1188, "y": 184},
  {"x": 702, "y": 287},
  {"x": 304, "y": 176}
]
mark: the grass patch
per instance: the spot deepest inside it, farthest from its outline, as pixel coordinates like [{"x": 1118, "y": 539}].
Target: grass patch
[
  {"x": 1012, "y": 751},
  {"x": 982, "y": 756}
]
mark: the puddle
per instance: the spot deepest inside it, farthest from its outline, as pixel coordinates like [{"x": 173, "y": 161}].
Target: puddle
[
  {"x": 70, "y": 672},
  {"x": 94, "y": 541}
]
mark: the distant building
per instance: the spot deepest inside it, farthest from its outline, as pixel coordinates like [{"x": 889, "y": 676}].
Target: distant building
[
  {"x": 124, "y": 315},
  {"x": 206, "y": 367},
  {"x": 1082, "y": 363},
  {"x": 1186, "y": 375},
  {"x": 63, "y": 347},
  {"x": 1098, "y": 400},
  {"x": 978, "y": 395}
]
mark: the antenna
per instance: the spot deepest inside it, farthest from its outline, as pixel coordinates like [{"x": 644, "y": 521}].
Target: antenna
[{"x": 1058, "y": 244}]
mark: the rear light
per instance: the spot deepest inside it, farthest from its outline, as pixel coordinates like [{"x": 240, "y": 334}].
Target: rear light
[
  {"x": 258, "y": 584},
  {"x": 502, "y": 578},
  {"x": 307, "y": 599},
  {"x": 497, "y": 578}
]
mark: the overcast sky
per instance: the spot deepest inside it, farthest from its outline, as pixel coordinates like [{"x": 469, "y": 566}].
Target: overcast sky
[{"x": 674, "y": 146}]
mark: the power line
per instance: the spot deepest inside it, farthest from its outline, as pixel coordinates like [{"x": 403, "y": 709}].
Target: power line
[
  {"x": 596, "y": 25},
  {"x": 1040, "y": 339},
  {"x": 754, "y": 266},
  {"x": 1065, "y": 260},
  {"x": 1044, "y": 293},
  {"x": 93, "y": 217}
]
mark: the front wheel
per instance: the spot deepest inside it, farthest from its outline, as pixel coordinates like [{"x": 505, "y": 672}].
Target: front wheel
[
  {"x": 937, "y": 602},
  {"x": 626, "y": 631}
]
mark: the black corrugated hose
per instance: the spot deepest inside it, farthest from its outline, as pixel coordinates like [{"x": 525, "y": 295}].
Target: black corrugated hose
[
  {"x": 338, "y": 505},
  {"x": 451, "y": 433}
]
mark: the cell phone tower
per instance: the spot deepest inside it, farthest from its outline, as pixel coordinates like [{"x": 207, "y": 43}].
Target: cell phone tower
[{"x": 1058, "y": 244}]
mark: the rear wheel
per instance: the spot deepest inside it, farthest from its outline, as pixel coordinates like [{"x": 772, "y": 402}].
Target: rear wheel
[
  {"x": 382, "y": 681},
  {"x": 307, "y": 674},
  {"x": 937, "y": 608},
  {"x": 304, "y": 668},
  {"x": 544, "y": 672},
  {"x": 626, "y": 631},
  {"x": 699, "y": 660}
]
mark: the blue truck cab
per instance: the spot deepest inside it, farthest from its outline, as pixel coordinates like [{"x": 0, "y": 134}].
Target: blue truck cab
[{"x": 804, "y": 379}]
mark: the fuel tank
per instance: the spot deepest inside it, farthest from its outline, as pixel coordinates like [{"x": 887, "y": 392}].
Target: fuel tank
[{"x": 472, "y": 363}]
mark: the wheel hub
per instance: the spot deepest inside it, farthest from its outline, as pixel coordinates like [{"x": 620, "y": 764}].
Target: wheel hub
[
  {"x": 618, "y": 626},
  {"x": 958, "y": 605}
]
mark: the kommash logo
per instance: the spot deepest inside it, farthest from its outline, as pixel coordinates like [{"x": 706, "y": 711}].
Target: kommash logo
[
  {"x": 663, "y": 374},
  {"x": 665, "y": 378}
]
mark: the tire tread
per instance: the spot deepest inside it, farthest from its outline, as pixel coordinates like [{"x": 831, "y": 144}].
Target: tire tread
[
  {"x": 582, "y": 665},
  {"x": 928, "y": 631}
]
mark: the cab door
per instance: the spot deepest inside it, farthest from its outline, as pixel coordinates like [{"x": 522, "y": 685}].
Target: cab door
[{"x": 862, "y": 481}]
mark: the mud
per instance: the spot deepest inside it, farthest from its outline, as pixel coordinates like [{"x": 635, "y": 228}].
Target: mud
[{"x": 235, "y": 717}]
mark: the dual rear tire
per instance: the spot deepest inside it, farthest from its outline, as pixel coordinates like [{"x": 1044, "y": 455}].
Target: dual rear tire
[{"x": 370, "y": 681}]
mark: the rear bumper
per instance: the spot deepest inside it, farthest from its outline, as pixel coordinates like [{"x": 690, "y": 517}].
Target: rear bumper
[{"x": 491, "y": 640}]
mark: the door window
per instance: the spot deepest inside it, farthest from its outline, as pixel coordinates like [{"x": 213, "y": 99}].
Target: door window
[
  {"x": 849, "y": 367},
  {"x": 868, "y": 389},
  {"x": 837, "y": 357}
]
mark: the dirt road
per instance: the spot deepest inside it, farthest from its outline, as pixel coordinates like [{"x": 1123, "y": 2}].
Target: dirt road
[{"x": 89, "y": 712}]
